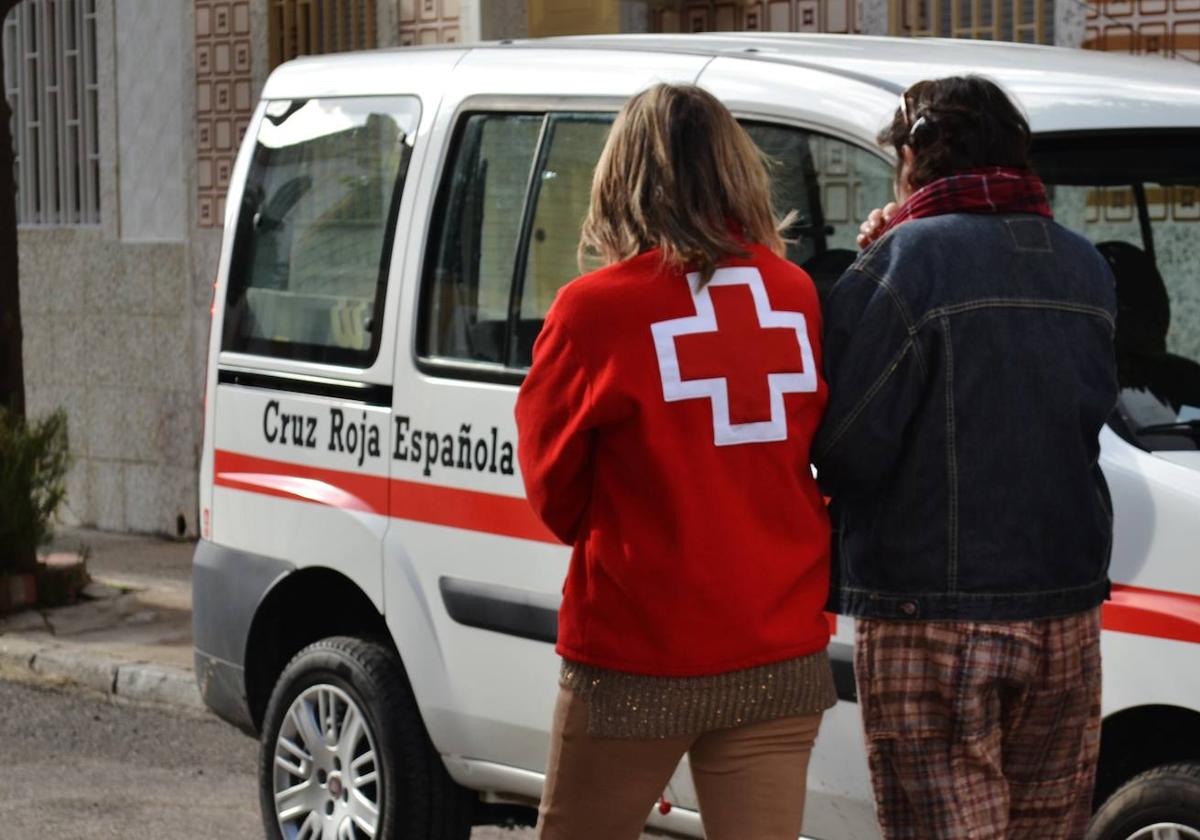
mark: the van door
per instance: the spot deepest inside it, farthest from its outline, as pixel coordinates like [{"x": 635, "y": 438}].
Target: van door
[
  {"x": 303, "y": 395},
  {"x": 477, "y": 576},
  {"x": 504, "y": 233}
]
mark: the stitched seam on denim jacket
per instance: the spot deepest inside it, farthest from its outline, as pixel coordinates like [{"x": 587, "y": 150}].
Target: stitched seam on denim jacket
[
  {"x": 876, "y": 386},
  {"x": 1019, "y": 303},
  {"x": 951, "y": 463},
  {"x": 1066, "y": 590},
  {"x": 909, "y": 327}
]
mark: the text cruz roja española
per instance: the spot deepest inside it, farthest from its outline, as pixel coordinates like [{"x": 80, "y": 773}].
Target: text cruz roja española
[{"x": 360, "y": 438}]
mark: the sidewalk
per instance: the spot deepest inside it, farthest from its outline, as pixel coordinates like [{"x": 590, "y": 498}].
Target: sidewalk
[{"x": 132, "y": 635}]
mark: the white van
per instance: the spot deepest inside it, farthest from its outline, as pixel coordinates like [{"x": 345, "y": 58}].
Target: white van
[{"x": 373, "y": 595}]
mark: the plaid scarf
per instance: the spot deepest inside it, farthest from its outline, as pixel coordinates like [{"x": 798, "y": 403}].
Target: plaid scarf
[{"x": 993, "y": 190}]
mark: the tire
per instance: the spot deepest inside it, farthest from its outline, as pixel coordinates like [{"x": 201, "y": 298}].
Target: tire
[
  {"x": 371, "y": 764},
  {"x": 1166, "y": 796}
]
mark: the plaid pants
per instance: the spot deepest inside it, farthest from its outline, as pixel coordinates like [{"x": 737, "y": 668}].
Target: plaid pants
[{"x": 981, "y": 731}]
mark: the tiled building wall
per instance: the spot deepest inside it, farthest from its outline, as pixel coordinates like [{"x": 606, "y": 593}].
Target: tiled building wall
[
  {"x": 432, "y": 22},
  {"x": 225, "y": 99},
  {"x": 1169, "y": 28}
]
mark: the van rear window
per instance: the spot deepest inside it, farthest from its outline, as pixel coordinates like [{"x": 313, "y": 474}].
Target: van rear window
[{"x": 314, "y": 229}]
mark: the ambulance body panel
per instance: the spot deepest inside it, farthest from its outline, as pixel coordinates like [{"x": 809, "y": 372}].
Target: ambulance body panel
[{"x": 359, "y": 470}]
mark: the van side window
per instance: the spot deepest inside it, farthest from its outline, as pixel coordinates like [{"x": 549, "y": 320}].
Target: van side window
[
  {"x": 476, "y": 234},
  {"x": 831, "y": 185},
  {"x": 506, "y": 231},
  {"x": 561, "y": 194},
  {"x": 314, "y": 231}
]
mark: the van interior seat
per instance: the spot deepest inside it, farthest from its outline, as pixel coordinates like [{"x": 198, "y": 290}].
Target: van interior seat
[{"x": 1143, "y": 320}]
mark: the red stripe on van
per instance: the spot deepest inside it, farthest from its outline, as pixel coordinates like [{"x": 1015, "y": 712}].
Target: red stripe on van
[
  {"x": 506, "y": 516},
  {"x": 1133, "y": 609},
  {"x": 1153, "y": 612},
  {"x": 335, "y": 488},
  {"x": 489, "y": 513}
]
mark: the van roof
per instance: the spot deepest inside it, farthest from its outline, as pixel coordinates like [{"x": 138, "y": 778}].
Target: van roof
[{"x": 1120, "y": 90}]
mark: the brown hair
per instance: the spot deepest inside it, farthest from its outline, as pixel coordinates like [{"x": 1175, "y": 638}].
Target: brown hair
[
  {"x": 958, "y": 123},
  {"x": 679, "y": 173}
]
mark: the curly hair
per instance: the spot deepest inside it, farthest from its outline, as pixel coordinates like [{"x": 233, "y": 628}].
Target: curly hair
[{"x": 955, "y": 124}]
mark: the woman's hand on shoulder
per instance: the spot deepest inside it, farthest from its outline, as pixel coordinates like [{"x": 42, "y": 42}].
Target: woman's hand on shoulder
[{"x": 870, "y": 230}]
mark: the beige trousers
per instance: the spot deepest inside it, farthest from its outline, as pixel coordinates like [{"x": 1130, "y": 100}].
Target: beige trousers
[{"x": 750, "y": 780}]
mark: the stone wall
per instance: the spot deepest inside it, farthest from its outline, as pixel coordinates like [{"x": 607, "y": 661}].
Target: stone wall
[
  {"x": 110, "y": 337},
  {"x": 501, "y": 19}
]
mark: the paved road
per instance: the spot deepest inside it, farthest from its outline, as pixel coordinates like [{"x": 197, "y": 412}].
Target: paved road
[{"x": 77, "y": 766}]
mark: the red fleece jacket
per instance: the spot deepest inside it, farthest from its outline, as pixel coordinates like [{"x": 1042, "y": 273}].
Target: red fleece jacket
[{"x": 665, "y": 435}]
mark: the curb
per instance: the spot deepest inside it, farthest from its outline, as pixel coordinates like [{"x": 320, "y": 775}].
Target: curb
[{"x": 138, "y": 682}]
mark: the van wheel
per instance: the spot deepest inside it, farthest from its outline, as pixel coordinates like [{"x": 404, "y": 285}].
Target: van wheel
[
  {"x": 1160, "y": 804},
  {"x": 345, "y": 755}
]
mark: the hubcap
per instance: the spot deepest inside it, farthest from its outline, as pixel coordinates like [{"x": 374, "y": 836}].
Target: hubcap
[
  {"x": 1165, "y": 831},
  {"x": 326, "y": 777}
]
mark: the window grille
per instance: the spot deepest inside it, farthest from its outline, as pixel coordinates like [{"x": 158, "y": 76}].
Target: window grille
[
  {"x": 313, "y": 27},
  {"x": 839, "y": 16},
  {"x": 50, "y": 81},
  {"x": 1026, "y": 21}
]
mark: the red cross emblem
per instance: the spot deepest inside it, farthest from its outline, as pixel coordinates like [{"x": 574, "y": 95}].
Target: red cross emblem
[{"x": 739, "y": 353}]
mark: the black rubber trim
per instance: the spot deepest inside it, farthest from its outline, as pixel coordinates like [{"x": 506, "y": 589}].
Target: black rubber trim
[
  {"x": 841, "y": 656},
  {"x": 502, "y": 609},
  {"x": 361, "y": 392}
]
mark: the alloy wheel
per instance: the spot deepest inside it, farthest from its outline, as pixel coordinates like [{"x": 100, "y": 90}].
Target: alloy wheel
[
  {"x": 1165, "y": 831},
  {"x": 326, "y": 775}
]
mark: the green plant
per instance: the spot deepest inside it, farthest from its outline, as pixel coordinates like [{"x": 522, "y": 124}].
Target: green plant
[{"x": 34, "y": 458}]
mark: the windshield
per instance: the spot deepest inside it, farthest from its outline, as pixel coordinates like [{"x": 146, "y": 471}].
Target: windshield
[{"x": 1137, "y": 196}]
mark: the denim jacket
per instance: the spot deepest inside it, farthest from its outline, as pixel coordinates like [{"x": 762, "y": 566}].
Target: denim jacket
[{"x": 970, "y": 365}]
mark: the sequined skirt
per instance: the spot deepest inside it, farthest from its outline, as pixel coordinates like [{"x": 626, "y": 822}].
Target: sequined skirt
[{"x": 622, "y": 705}]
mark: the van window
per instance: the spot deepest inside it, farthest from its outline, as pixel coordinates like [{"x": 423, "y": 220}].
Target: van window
[
  {"x": 1137, "y": 196},
  {"x": 314, "y": 230},
  {"x": 830, "y": 186},
  {"x": 476, "y": 233},
  {"x": 563, "y": 191},
  {"x": 526, "y": 180}
]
